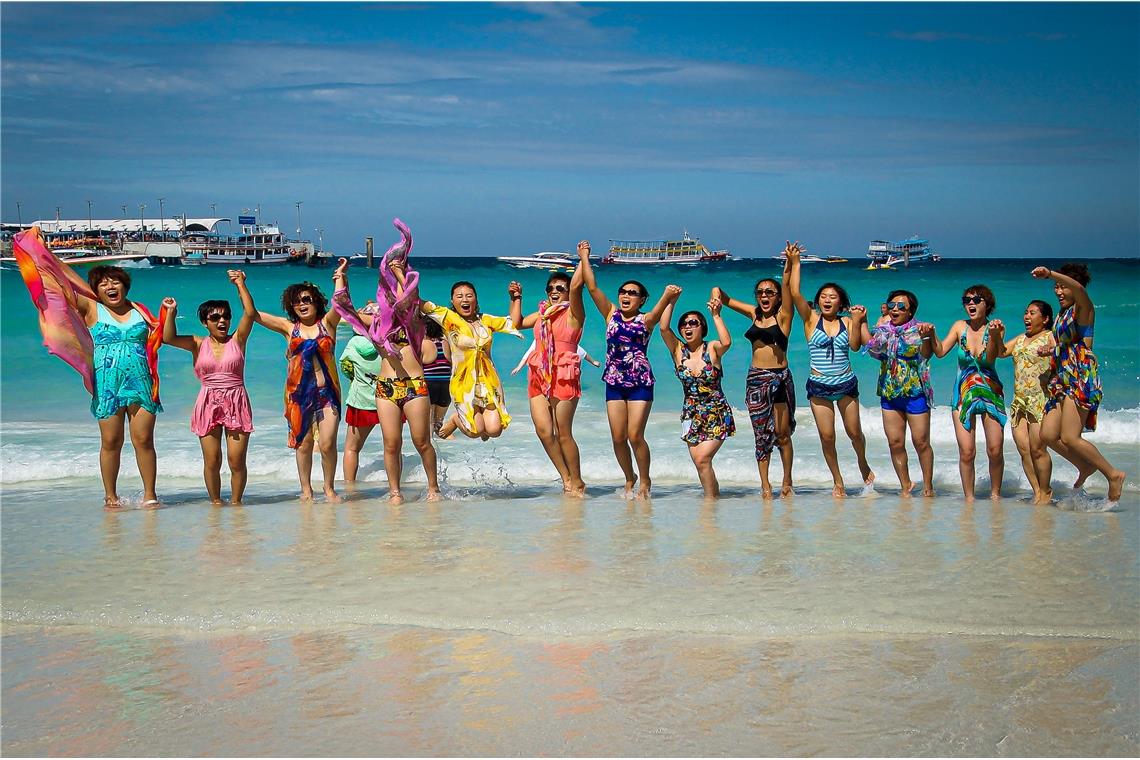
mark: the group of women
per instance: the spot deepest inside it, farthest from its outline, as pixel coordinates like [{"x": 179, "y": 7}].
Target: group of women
[{"x": 430, "y": 367}]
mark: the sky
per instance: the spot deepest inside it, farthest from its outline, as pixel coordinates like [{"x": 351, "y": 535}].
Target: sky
[{"x": 505, "y": 129}]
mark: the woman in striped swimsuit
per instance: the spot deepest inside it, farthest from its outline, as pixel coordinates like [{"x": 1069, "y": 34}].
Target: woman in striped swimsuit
[
  {"x": 830, "y": 339},
  {"x": 437, "y": 372}
]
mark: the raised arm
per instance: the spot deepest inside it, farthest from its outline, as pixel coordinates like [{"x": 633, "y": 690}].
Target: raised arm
[
  {"x": 340, "y": 280},
  {"x": 671, "y": 294},
  {"x": 577, "y": 308},
  {"x": 169, "y": 330},
  {"x": 514, "y": 290},
  {"x": 857, "y": 333},
  {"x": 792, "y": 277},
  {"x": 671, "y": 342},
  {"x": 787, "y": 303},
  {"x": 723, "y": 340},
  {"x": 736, "y": 305},
  {"x": 248, "y": 310},
  {"x": 605, "y": 307},
  {"x": 1082, "y": 302}
]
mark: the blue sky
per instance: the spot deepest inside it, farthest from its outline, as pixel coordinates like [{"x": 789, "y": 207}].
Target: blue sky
[{"x": 992, "y": 129}]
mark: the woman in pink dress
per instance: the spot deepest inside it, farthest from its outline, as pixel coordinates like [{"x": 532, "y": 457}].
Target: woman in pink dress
[{"x": 223, "y": 403}]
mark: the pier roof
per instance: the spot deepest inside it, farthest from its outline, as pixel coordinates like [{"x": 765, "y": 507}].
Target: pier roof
[{"x": 169, "y": 224}]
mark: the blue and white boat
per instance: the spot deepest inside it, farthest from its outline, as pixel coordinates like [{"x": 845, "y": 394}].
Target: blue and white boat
[{"x": 914, "y": 250}]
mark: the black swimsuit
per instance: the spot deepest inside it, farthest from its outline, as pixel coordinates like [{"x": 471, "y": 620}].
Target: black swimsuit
[{"x": 772, "y": 336}]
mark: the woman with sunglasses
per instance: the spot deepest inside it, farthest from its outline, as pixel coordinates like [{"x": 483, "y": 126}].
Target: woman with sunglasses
[
  {"x": 1030, "y": 372},
  {"x": 1074, "y": 392},
  {"x": 312, "y": 385},
  {"x": 832, "y": 382},
  {"x": 706, "y": 417},
  {"x": 769, "y": 392},
  {"x": 554, "y": 377},
  {"x": 978, "y": 391},
  {"x": 627, "y": 374},
  {"x": 480, "y": 404},
  {"x": 223, "y": 402},
  {"x": 903, "y": 347}
]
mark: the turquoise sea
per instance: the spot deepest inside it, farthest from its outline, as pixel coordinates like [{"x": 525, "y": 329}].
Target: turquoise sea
[{"x": 509, "y": 620}]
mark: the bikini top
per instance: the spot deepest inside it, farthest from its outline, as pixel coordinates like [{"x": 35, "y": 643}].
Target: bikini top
[
  {"x": 966, "y": 359},
  {"x": 770, "y": 336},
  {"x": 829, "y": 353}
]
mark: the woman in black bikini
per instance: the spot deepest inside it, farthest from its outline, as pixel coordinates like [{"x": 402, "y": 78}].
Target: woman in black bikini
[{"x": 769, "y": 393}]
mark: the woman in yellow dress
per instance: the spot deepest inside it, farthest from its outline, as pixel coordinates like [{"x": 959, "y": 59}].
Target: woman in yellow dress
[
  {"x": 1028, "y": 407},
  {"x": 480, "y": 408}
]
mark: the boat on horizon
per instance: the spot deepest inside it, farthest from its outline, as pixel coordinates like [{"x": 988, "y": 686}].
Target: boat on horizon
[
  {"x": 688, "y": 250},
  {"x": 914, "y": 250},
  {"x": 812, "y": 259},
  {"x": 555, "y": 261}
]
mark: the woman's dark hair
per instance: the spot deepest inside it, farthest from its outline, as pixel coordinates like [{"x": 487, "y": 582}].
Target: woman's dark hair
[
  {"x": 844, "y": 300},
  {"x": 295, "y": 291},
  {"x": 779, "y": 293},
  {"x": 640, "y": 288},
  {"x": 105, "y": 272},
  {"x": 433, "y": 329},
  {"x": 1078, "y": 272},
  {"x": 465, "y": 284},
  {"x": 1046, "y": 311},
  {"x": 986, "y": 294},
  {"x": 700, "y": 318},
  {"x": 910, "y": 297},
  {"x": 206, "y": 307},
  {"x": 558, "y": 277}
]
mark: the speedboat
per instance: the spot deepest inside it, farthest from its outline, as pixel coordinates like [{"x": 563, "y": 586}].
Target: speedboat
[{"x": 552, "y": 260}]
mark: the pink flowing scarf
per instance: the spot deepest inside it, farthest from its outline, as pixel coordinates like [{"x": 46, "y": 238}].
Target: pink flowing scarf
[
  {"x": 395, "y": 316},
  {"x": 544, "y": 339}
]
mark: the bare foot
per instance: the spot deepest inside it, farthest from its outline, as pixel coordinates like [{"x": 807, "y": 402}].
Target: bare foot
[
  {"x": 112, "y": 502},
  {"x": 786, "y": 490},
  {"x": 434, "y": 495},
  {"x": 968, "y": 498},
  {"x": 629, "y": 485},
  {"x": 395, "y": 497},
  {"x": 928, "y": 491},
  {"x": 838, "y": 491},
  {"x": 235, "y": 502},
  {"x": 643, "y": 492},
  {"x": 867, "y": 473},
  {"x": 1082, "y": 476},
  {"x": 306, "y": 494},
  {"x": 766, "y": 493},
  {"x": 907, "y": 488},
  {"x": 995, "y": 495},
  {"x": 1116, "y": 485},
  {"x": 1043, "y": 497},
  {"x": 332, "y": 496},
  {"x": 217, "y": 502}
]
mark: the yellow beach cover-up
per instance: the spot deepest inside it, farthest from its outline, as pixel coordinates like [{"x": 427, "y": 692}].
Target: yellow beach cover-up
[{"x": 474, "y": 381}]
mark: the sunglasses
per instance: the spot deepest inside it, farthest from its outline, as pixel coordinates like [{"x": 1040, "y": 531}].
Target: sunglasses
[
  {"x": 691, "y": 323},
  {"x": 628, "y": 292},
  {"x": 765, "y": 292},
  {"x": 967, "y": 300},
  {"x": 305, "y": 300},
  {"x": 216, "y": 317},
  {"x": 900, "y": 305},
  {"x": 555, "y": 288}
]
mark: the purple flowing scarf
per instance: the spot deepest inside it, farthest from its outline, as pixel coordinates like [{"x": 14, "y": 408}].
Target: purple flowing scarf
[{"x": 396, "y": 316}]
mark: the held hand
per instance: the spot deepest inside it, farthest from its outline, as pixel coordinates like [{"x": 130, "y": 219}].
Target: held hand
[
  {"x": 396, "y": 265},
  {"x": 673, "y": 291},
  {"x": 714, "y": 305},
  {"x": 237, "y": 276},
  {"x": 996, "y": 327},
  {"x": 718, "y": 294},
  {"x": 169, "y": 303},
  {"x": 926, "y": 330},
  {"x": 514, "y": 290},
  {"x": 792, "y": 250},
  {"x": 584, "y": 249},
  {"x": 1044, "y": 350},
  {"x": 1041, "y": 273},
  {"x": 858, "y": 313},
  {"x": 341, "y": 270}
]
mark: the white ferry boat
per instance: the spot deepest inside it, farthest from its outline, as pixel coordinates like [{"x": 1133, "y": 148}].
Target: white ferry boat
[
  {"x": 551, "y": 260},
  {"x": 256, "y": 244},
  {"x": 914, "y": 250},
  {"x": 687, "y": 250}
]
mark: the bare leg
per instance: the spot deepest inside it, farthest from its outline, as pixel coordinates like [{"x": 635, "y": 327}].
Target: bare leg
[
  {"x": 354, "y": 439},
  {"x": 702, "y": 455},
  {"x": 326, "y": 428},
  {"x": 967, "y": 450},
  {"x": 418, "y": 413},
  {"x": 1051, "y": 435},
  {"x": 616, "y": 412},
  {"x": 1020, "y": 430},
  {"x": 995, "y": 435},
  {"x": 637, "y": 415},
  {"x": 894, "y": 425},
  {"x": 304, "y": 456},
  {"x": 237, "y": 444},
  {"x": 392, "y": 428},
  {"x": 1042, "y": 464},
  {"x": 110, "y": 454},
  {"x": 853, "y": 426},
  {"x": 564, "y": 430},
  {"x": 1072, "y": 423},
  {"x": 141, "y": 423},
  {"x": 492, "y": 423},
  {"x": 212, "y": 464},
  {"x": 543, "y": 417},
  {"x": 784, "y": 443},
  {"x": 824, "y": 413},
  {"x": 920, "y": 437},
  {"x": 765, "y": 485}
]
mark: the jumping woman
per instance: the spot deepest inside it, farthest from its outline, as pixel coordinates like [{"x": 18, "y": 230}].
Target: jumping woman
[{"x": 1030, "y": 373}]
